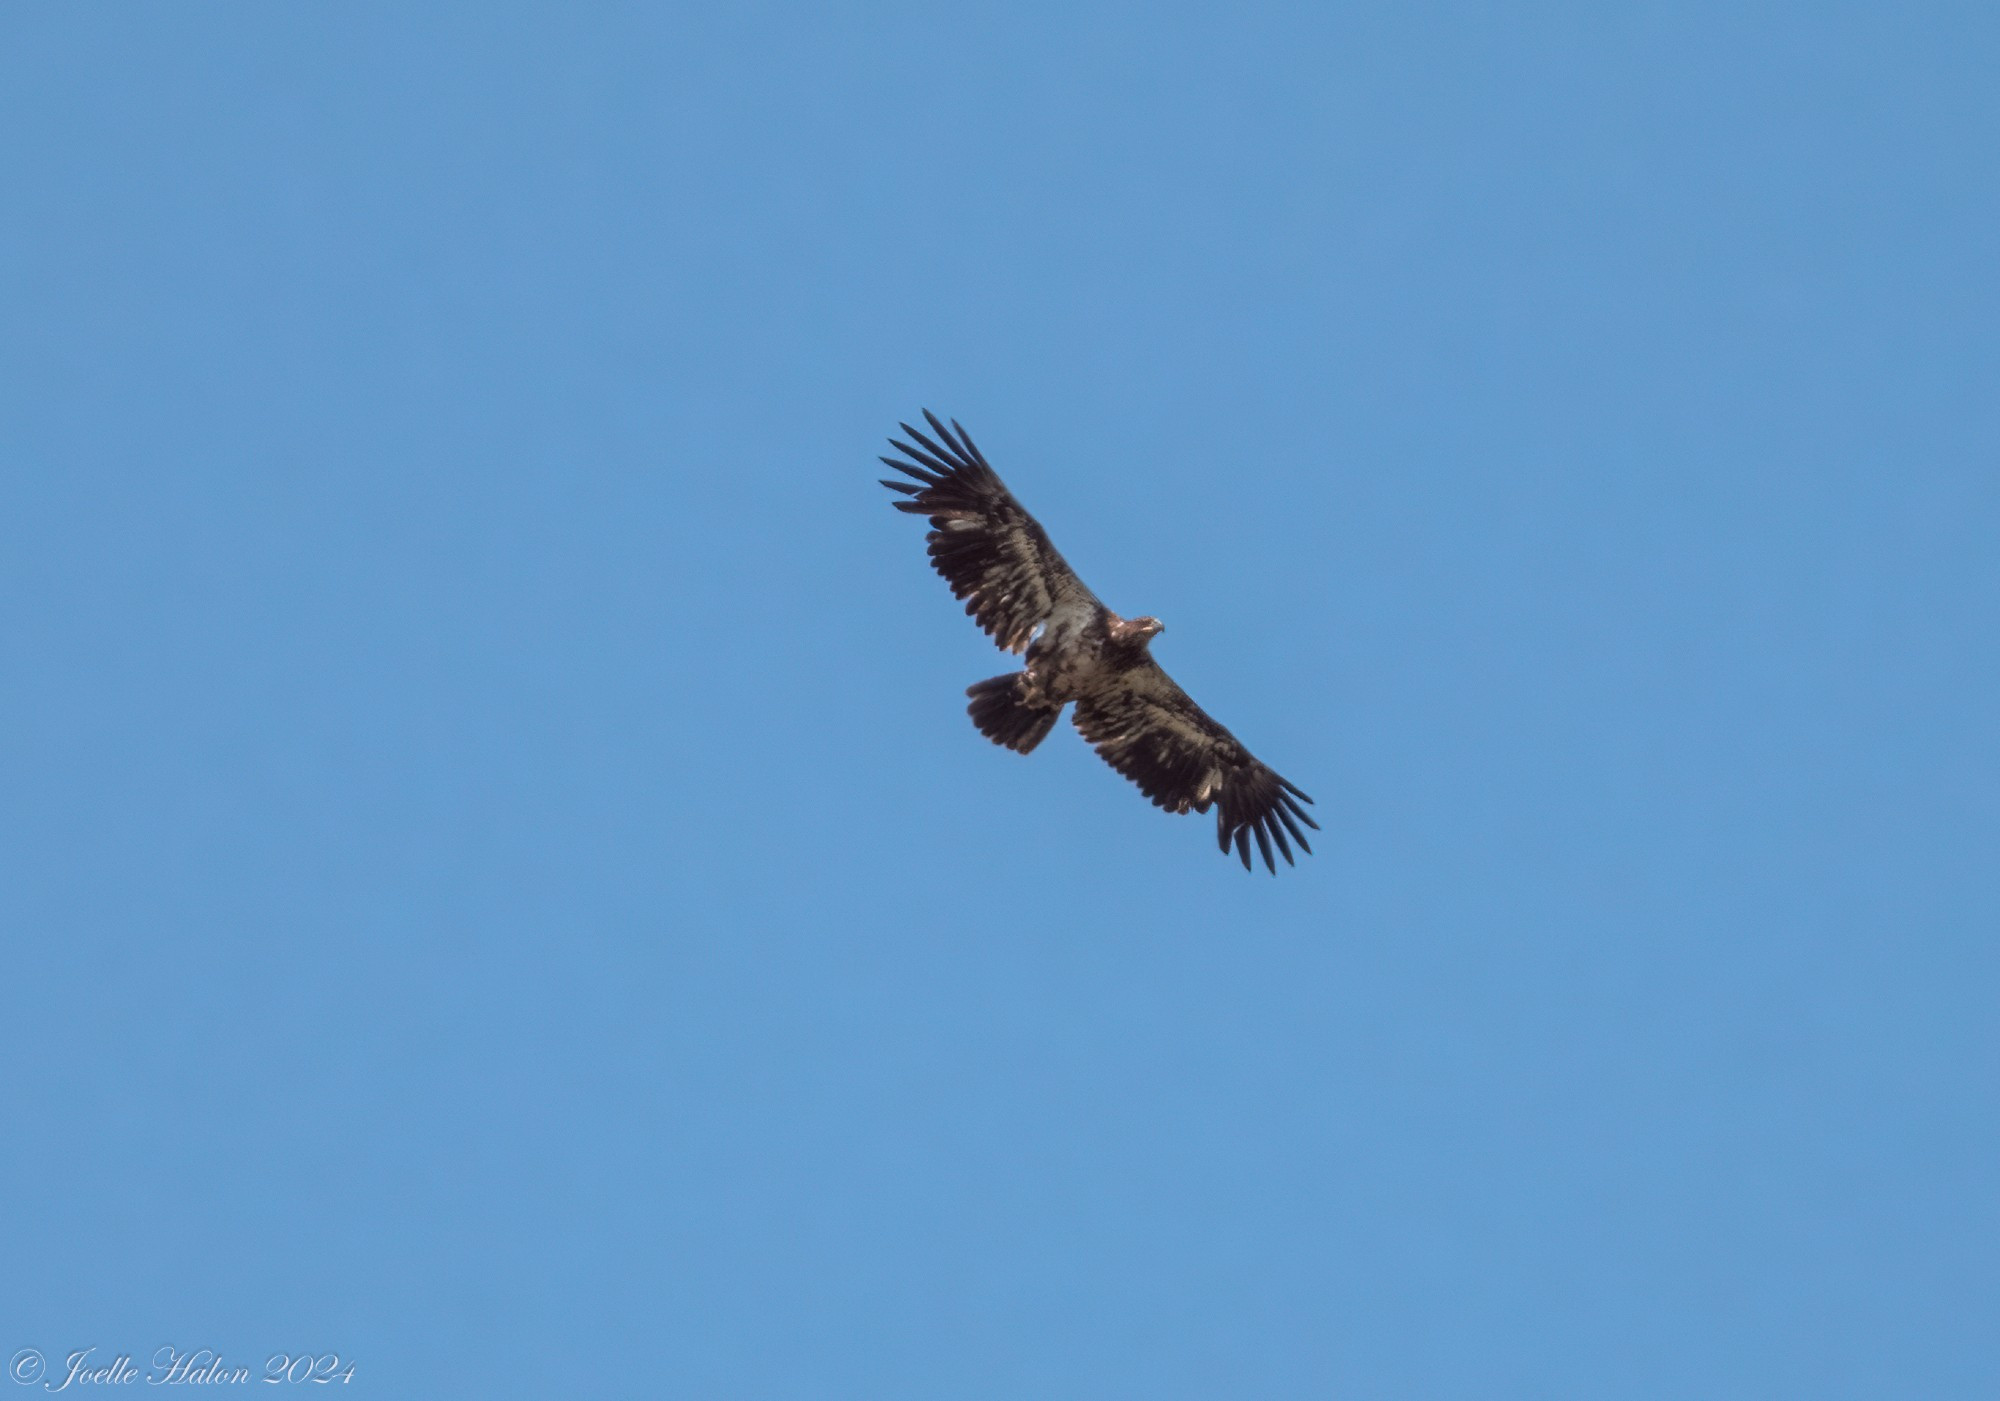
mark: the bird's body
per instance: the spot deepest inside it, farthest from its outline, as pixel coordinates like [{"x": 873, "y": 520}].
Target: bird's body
[
  {"x": 1076, "y": 662},
  {"x": 1023, "y": 593}
]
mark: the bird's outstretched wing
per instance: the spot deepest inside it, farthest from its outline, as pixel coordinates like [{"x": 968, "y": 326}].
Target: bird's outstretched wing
[
  {"x": 1146, "y": 727},
  {"x": 994, "y": 555}
]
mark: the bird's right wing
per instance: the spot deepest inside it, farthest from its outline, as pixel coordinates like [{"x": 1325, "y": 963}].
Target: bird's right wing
[
  {"x": 993, "y": 553},
  {"x": 1150, "y": 730}
]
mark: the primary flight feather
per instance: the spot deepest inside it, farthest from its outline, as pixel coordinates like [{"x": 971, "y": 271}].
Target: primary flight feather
[{"x": 1023, "y": 593}]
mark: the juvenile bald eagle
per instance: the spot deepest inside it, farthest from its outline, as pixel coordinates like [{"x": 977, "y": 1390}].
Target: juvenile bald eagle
[{"x": 999, "y": 560}]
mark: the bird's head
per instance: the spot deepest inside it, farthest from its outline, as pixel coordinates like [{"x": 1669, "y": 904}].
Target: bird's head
[{"x": 1137, "y": 631}]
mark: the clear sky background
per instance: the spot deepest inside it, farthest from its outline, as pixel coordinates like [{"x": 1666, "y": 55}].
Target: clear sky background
[{"x": 499, "y": 883}]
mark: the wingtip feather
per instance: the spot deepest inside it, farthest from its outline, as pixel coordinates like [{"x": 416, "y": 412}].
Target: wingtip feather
[
  {"x": 971, "y": 448},
  {"x": 1264, "y": 845}
]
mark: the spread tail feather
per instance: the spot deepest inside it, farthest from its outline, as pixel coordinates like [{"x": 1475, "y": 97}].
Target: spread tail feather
[{"x": 1005, "y": 716}]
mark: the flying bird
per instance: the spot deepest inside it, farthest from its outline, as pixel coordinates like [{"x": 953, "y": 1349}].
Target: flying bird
[{"x": 999, "y": 560}]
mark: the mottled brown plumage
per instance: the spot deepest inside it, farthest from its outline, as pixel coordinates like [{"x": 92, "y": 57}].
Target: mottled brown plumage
[{"x": 1021, "y": 591}]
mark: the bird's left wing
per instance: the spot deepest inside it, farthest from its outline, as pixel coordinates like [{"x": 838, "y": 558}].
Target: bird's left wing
[
  {"x": 1150, "y": 730},
  {"x": 993, "y": 553}
]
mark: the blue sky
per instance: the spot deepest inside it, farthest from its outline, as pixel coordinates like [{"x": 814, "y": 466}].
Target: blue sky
[{"x": 502, "y": 886}]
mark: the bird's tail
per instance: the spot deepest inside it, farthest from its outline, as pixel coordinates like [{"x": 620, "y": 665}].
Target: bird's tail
[{"x": 1004, "y": 714}]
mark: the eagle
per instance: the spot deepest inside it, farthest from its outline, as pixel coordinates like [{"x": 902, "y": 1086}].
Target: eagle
[{"x": 1016, "y": 586}]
